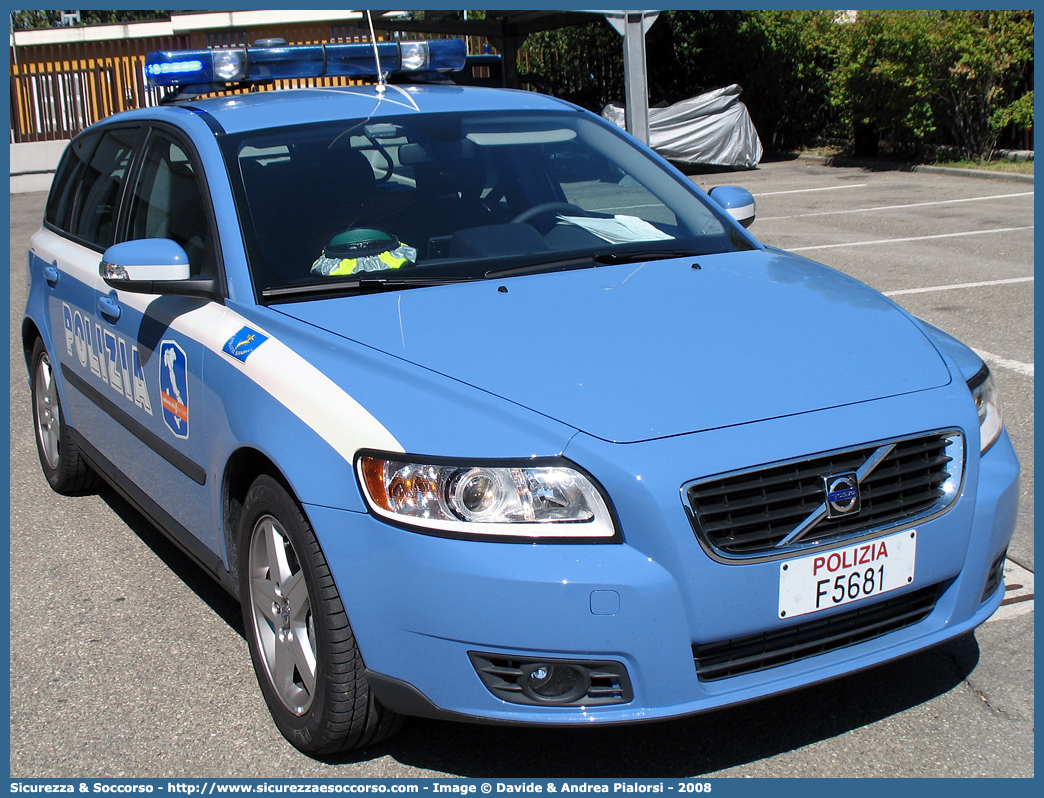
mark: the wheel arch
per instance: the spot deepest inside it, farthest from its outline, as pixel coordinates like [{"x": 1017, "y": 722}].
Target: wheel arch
[
  {"x": 30, "y": 332},
  {"x": 343, "y": 712},
  {"x": 244, "y": 466}
]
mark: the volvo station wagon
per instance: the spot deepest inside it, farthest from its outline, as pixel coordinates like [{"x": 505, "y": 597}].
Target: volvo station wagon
[{"x": 485, "y": 412}]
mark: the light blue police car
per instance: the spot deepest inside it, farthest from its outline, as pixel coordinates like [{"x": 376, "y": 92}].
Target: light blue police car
[{"x": 485, "y": 412}]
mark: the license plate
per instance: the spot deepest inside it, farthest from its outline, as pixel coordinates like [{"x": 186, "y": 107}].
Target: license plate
[{"x": 832, "y": 578}]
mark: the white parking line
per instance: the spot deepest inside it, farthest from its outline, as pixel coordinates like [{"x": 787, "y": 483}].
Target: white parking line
[
  {"x": 897, "y": 207},
  {"x": 1018, "y": 593},
  {"x": 1003, "y": 362},
  {"x": 806, "y": 190},
  {"x": 932, "y": 288},
  {"x": 913, "y": 238}
]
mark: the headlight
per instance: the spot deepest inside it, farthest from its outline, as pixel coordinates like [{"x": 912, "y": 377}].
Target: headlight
[
  {"x": 524, "y": 500},
  {"x": 990, "y": 421}
]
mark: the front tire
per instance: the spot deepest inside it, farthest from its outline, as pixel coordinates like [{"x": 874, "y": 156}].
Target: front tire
[
  {"x": 305, "y": 657},
  {"x": 63, "y": 465}
]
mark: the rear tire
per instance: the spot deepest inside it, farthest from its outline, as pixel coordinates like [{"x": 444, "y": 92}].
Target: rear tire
[
  {"x": 63, "y": 464},
  {"x": 305, "y": 657}
]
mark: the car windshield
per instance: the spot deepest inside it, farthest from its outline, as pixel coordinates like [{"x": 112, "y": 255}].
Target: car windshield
[{"x": 422, "y": 200}]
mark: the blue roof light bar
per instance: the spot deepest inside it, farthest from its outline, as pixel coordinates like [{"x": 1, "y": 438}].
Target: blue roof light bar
[{"x": 282, "y": 62}]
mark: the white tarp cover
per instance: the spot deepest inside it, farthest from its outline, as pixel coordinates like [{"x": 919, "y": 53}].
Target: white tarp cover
[{"x": 712, "y": 128}]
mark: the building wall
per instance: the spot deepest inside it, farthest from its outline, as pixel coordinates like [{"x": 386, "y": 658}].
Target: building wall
[{"x": 33, "y": 165}]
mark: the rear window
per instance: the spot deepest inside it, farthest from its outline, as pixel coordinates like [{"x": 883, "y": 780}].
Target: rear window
[
  {"x": 87, "y": 185},
  {"x": 67, "y": 177}
]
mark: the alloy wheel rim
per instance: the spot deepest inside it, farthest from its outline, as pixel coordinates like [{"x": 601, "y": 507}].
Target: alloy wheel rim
[
  {"x": 281, "y": 610},
  {"x": 48, "y": 416}
]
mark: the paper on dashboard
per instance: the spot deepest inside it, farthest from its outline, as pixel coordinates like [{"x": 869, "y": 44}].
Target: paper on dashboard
[{"x": 618, "y": 230}]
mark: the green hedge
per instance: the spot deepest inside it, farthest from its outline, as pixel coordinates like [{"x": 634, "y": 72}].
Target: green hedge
[{"x": 909, "y": 79}]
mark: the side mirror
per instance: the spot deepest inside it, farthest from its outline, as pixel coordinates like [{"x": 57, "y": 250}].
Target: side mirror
[
  {"x": 152, "y": 266},
  {"x": 737, "y": 202}
]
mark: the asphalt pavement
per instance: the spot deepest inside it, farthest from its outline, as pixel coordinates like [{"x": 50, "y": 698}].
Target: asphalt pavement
[{"x": 126, "y": 660}]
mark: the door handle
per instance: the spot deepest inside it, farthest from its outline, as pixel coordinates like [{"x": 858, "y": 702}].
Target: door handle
[
  {"x": 110, "y": 308},
  {"x": 50, "y": 274}
]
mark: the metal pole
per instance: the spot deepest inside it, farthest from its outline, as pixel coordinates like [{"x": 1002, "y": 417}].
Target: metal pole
[
  {"x": 636, "y": 81},
  {"x": 14, "y": 54},
  {"x": 632, "y": 25}
]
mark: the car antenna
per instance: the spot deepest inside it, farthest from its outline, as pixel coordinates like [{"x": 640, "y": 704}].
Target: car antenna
[{"x": 381, "y": 78}]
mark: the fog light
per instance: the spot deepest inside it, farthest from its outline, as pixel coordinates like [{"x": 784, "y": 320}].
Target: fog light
[
  {"x": 546, "y": 682},
  {"x": 553, "y": 682}
]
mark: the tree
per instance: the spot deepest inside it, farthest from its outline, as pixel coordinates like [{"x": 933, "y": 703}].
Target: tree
[
  {"x": 989, "y": 55},
  {"x": 782, "y": 59},
  {"x": 922, "y": 77},
  {"x": 29, "y": 20},
  {"x": 787, "y": 77},
  {"x": 583, "y": 63}
]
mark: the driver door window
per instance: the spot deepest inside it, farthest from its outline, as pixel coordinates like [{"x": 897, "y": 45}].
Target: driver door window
[{"x": 168, "y": 202}]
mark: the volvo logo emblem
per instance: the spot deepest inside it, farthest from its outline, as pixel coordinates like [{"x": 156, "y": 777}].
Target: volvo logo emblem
[{"x": 842, "y": 494}]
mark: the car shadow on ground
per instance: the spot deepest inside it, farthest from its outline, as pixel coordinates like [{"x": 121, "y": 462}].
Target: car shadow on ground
[
  {"x": 681, "y": 748},
  {"x": 692, "y": 746},
  {"x": 186, "y": 569}
]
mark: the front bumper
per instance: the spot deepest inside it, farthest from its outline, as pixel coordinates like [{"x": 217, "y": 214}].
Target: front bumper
[{"x": 422, "y": 607}]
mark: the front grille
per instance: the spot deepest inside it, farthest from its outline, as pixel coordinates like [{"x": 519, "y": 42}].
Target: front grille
[
  {"x": 726, "y": 658},
  {"x": 748, "y": 514}
]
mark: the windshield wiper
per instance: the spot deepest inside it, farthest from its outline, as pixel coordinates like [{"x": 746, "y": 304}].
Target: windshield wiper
[
  {"x": 599, "y": 257},
  {"x": 611, "y": 256},
  {"x": 548, "y": 265},
  {"x": 360, "y": 285}
]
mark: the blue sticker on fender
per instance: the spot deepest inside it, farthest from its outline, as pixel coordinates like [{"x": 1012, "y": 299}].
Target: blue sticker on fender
[
  {"x": 243, "y": 343},
  {"x": 174, "y": 388}
]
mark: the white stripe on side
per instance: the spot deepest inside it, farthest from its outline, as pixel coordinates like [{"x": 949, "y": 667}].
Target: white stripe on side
[{"x": 304, "y": 390}]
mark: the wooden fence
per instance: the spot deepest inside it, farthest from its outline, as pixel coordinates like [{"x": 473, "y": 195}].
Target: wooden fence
[{"x": 59, "y": 89}]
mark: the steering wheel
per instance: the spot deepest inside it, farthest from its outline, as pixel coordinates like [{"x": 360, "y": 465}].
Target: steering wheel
[{"x": 548, "y": 207}]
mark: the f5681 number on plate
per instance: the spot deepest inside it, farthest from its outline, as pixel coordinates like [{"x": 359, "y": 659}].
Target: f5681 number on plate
[{"x": 832, "y": 578}]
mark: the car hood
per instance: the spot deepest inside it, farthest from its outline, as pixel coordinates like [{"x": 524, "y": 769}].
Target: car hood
[{"x": 640, "y": 351}]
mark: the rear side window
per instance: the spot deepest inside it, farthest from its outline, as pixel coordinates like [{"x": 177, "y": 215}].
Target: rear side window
[
  {"x": 67, "y": 178},
  {"x": 85, "y": 203}
]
